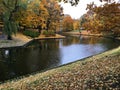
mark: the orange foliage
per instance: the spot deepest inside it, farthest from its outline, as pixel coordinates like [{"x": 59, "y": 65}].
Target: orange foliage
[
  {"x": 105, "y": 18},
  {"x": 76, "y": 25},
  {"x": 67, "y": 23}
]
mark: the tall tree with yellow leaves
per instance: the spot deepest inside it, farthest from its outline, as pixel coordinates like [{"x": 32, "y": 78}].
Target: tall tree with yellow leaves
[
  {"x": 54, "y": 11},
  {"x": 105, "y": 18},
  {"x": 67, "y": 23},
  {"x": 36, "y": 16}
]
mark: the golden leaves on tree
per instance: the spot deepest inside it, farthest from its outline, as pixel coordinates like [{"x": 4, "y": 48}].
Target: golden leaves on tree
[{"x": 104, "y": 18}]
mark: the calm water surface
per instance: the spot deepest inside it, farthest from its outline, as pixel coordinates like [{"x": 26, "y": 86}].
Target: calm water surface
[{"x": 43, "y": 54}]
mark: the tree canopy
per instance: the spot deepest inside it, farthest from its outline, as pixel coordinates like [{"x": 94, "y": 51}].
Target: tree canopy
[
  {"x": 104, "y": 18},
  {"x": 40, "y": 14},
  {"x": 75, "y": 2},
  {"x": 11, "y": 12},
  {"x": 47, "y": 15},
  {"x": 67, "y": 23}
]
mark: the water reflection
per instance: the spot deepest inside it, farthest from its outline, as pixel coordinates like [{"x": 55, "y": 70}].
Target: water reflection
[{"x": 43, "y": 54}]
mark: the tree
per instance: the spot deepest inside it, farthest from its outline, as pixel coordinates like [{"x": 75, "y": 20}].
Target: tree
[
  {"x": 36, "y": 16},
  {"x": 76, "y": 25},
  {"x": 43, "y": 16},
  {"x": 75, "y": 2},
  {"x": 67, "y": 23},
  {"x": 54, "y": 11},
  {"x": 11, "y": 13},
  {"x": 83, "y": 19},
  {"x": 106, "y": 18}
]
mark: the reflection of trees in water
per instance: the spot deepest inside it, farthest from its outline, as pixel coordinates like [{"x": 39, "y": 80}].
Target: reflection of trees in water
[
  {"x": 35, "y": 57},
  {"x": 45, "y": 44},
  {"x": 7, "y": 61},
  {"x": 89, "y": 40},
  {"x": 80, "y": 40},
  {"x": 43, "y": 54},
  {"x": 50, "y": 44},
  {"x": 106, "y": 42},
  {"x": 70, "y": 40},
  {"x": 3, "y": 71},
  {"x": 110, "y": 43}
]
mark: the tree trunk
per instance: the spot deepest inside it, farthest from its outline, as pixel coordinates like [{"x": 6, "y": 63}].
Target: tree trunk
[
  {"x": 39, "y": 29},
  {"x": 9, "y": 37}
]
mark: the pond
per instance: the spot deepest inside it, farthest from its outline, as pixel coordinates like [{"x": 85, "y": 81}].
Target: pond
[{"x": 44, "y": 54}]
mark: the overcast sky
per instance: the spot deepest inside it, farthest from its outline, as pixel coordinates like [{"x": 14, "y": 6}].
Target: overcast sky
[{"x": 76, "y": 11}]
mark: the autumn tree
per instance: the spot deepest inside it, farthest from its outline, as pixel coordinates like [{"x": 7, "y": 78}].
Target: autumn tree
[
  {"x": 105, "y": 18},
  {"x": 36, "y": 16},
  {"x": 11, "y": 13},
  {"x": 29, "y": 20},
  {"x": 83, "y": 19},
  {"x": 67, "y": 23},
  {"x": 54, "y": 11},
  {"x": 76, "y": 25},
  {"x": 43, "y": 16},
  {"x": 109, "y": 17},
  {"x": 75, "y": 2}
]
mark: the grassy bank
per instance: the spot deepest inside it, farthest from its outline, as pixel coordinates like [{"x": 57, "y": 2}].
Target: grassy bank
[
  {"x": 20, "y": 40},
  {"x": 100, "y": 72}
]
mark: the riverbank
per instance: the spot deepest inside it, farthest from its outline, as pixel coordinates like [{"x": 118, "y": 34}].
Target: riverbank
[
  {"x": 99, "y": 72},
  {"x": 82, "y": 33},
  {"x": 21, "y": 40},
  {"x": 87, "y": 33}
]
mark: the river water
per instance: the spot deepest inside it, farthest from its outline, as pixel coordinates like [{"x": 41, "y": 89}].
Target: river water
[{"x": 44, "y": 54}]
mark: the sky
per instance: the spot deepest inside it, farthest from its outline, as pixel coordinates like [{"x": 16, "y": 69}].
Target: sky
[{"x": 77, "y": 11}]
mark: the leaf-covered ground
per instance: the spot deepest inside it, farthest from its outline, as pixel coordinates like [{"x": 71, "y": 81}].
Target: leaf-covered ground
[{"x": 100, "y": 72}]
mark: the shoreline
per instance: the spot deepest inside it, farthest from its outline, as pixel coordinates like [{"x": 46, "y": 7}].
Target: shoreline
[
  {"x": 20, "y": 40},
  {"x": 69, "y": 76},
  {"x": 82, "y": 33},
  {"x": 89, "y": 34},
  {"x": 99, "y": 71}
]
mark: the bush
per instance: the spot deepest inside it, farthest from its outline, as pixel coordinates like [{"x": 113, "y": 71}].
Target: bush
[
  {"x": 48, "y": 33},
  {"x": 31, "y": 33},
  {"x": 51, "y": 32},
  {"x": 45, "y": 33}
]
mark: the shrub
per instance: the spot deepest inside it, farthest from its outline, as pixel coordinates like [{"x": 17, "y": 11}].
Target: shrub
[
  {"x": 45, "y": 33},
  {"x": 31, "y": 33},
  {"x": 48, "y": 33},
  {"x": 51, "y": 32}
]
